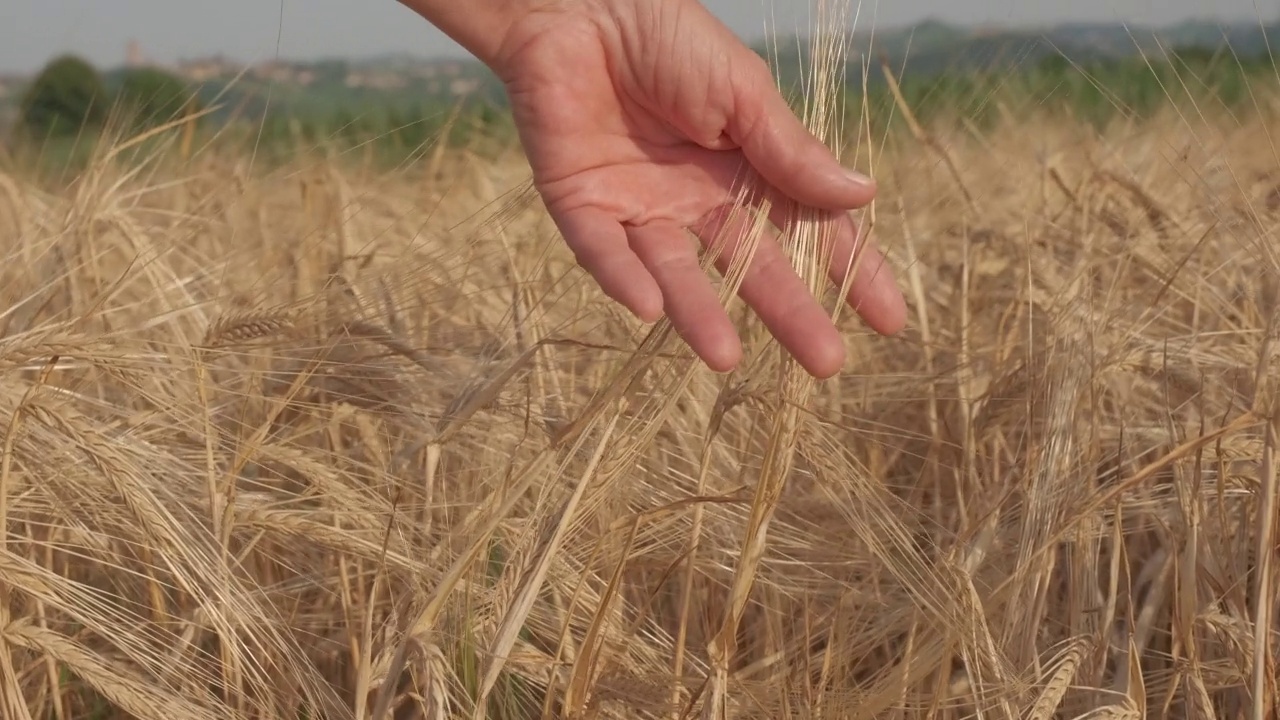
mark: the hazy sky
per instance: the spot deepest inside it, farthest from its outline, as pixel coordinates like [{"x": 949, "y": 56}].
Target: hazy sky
[{"x": 31, "y": 31}]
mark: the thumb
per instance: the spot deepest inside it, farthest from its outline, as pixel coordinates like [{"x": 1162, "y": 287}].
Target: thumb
[{"x": 784, "y": 152}]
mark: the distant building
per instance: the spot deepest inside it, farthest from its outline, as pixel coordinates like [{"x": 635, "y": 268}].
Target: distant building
[
  {"x": 133, "y": 57},
  {"x": 208, "y": 68},
  {"x": 462, "y": 87},
  {"x": 378, "y": 80},
  {"x": 279, "y": 71}
]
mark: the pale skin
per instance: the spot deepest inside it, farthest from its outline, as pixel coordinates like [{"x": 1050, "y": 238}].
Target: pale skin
[{"x": 640, "y": 119}]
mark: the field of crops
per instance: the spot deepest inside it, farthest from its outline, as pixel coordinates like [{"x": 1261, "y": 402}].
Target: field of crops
[{"x": 321, "y": 438}]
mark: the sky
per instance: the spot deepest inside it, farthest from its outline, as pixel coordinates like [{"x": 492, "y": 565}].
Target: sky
[{"x": 32, "y": 31}]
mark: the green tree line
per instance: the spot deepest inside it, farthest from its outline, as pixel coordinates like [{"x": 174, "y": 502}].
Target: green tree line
[
  {"x": 1095, "y": 92},
  {"x": 70, "y": 98}
]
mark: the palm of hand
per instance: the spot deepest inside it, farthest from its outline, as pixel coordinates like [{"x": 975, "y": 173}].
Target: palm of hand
[{"x": 634, "y": 139}]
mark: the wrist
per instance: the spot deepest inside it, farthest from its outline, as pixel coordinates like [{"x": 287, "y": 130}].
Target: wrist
[{"x": 492, "y": 30}]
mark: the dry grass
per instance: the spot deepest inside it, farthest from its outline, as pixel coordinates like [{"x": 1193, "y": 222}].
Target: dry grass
[{"x": 328, "y": 443}]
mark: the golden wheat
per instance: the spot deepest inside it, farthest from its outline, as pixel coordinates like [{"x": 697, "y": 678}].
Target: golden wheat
[{"x": 310, "y": 442}]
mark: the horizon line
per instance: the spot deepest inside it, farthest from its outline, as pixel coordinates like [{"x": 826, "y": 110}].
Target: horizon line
[{"x": 463, "y": 56}]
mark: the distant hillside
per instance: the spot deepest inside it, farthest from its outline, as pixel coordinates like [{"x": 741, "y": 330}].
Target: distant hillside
[
  {"x": 393, "y": 84},
  {"x": 931, "y": 47},
  {"x": 333, "y": 88}
]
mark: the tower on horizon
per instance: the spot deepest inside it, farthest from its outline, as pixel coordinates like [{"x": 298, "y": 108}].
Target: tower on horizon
[{"x": 133, "y": 55}]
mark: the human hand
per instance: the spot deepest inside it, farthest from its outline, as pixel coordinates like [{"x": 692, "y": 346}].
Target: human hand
[{"x": 640, "y": 119}]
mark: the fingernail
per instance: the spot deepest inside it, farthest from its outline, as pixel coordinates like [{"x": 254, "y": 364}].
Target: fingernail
[{"x": 858, "y": 178}]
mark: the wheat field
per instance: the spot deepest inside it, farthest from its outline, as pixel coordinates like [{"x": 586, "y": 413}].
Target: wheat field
[{"x": 325, "y": 441}]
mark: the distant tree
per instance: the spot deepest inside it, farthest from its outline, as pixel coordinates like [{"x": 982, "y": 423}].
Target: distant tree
[
  {"x": 344, "y": 125},
  {"x": 1054, "y": 65},
  {"x": 151, "y": 97},
  {"x": 66, "y": 97},
  {"x": 415, "y": 125},
  {"x": 1193, "y": 55}
]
